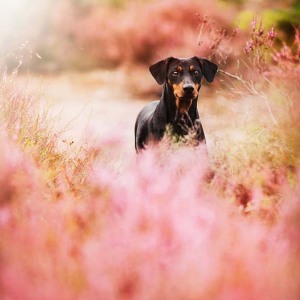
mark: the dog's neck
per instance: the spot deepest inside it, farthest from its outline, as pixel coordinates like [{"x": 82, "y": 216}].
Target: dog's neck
[
  {"x": 166, "y": 112},
  {"x": 173, "y": 116}
]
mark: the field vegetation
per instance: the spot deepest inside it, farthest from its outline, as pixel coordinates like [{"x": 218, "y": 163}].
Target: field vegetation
[{"x": 222, "y": 221}]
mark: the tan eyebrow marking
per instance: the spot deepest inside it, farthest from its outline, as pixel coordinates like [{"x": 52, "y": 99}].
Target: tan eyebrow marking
[
  {"x": 192, "y": 68},
  {"x": 179, "y": 68}
]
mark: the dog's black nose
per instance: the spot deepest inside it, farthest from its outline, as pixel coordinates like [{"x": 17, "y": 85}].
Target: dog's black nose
[{"x": 188, "y": 88}]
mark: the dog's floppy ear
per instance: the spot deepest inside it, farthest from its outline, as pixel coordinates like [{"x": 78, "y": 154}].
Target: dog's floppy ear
[
  {"x": 160, "y": 69},
  {"x": 209, "y": 69}
]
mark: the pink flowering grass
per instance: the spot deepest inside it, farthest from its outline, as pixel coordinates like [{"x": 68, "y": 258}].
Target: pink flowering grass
[
  {"x": 162, "y": 227},
  {"x": 175, "y": 222},
  {"x": 154, "y": 231},
  {"x": 36, "y": 131}
]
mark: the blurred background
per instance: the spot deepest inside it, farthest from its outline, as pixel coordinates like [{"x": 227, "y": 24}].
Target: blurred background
[
  {"x": 74, "y": 75},
  {"x": 56, "y": 35},
  {"x": 94, "y": 50}
]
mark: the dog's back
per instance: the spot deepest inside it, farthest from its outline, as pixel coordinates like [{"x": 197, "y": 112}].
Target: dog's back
[{"x": 142, "y": 124}]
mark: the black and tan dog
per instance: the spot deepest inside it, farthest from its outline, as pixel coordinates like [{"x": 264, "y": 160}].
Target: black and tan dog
[{"x": 181, "y": 79}]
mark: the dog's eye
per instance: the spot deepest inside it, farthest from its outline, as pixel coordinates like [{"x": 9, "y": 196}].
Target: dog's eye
[
  {"x": 196, "y": 73},
  {"x": 175, "y": 73}
]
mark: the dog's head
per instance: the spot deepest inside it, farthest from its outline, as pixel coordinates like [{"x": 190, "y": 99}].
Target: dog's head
[{"x": 184, "y": 77}]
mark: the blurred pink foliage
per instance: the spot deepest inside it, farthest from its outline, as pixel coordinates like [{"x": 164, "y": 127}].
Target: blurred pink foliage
[
  {"x": 153, "y": 231},
  {"x": 163, "y": 227},
  {"x": 281, "y": 61},
  {"x": 287, "y": 59},
  {"x": 141, "y": 32}
]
